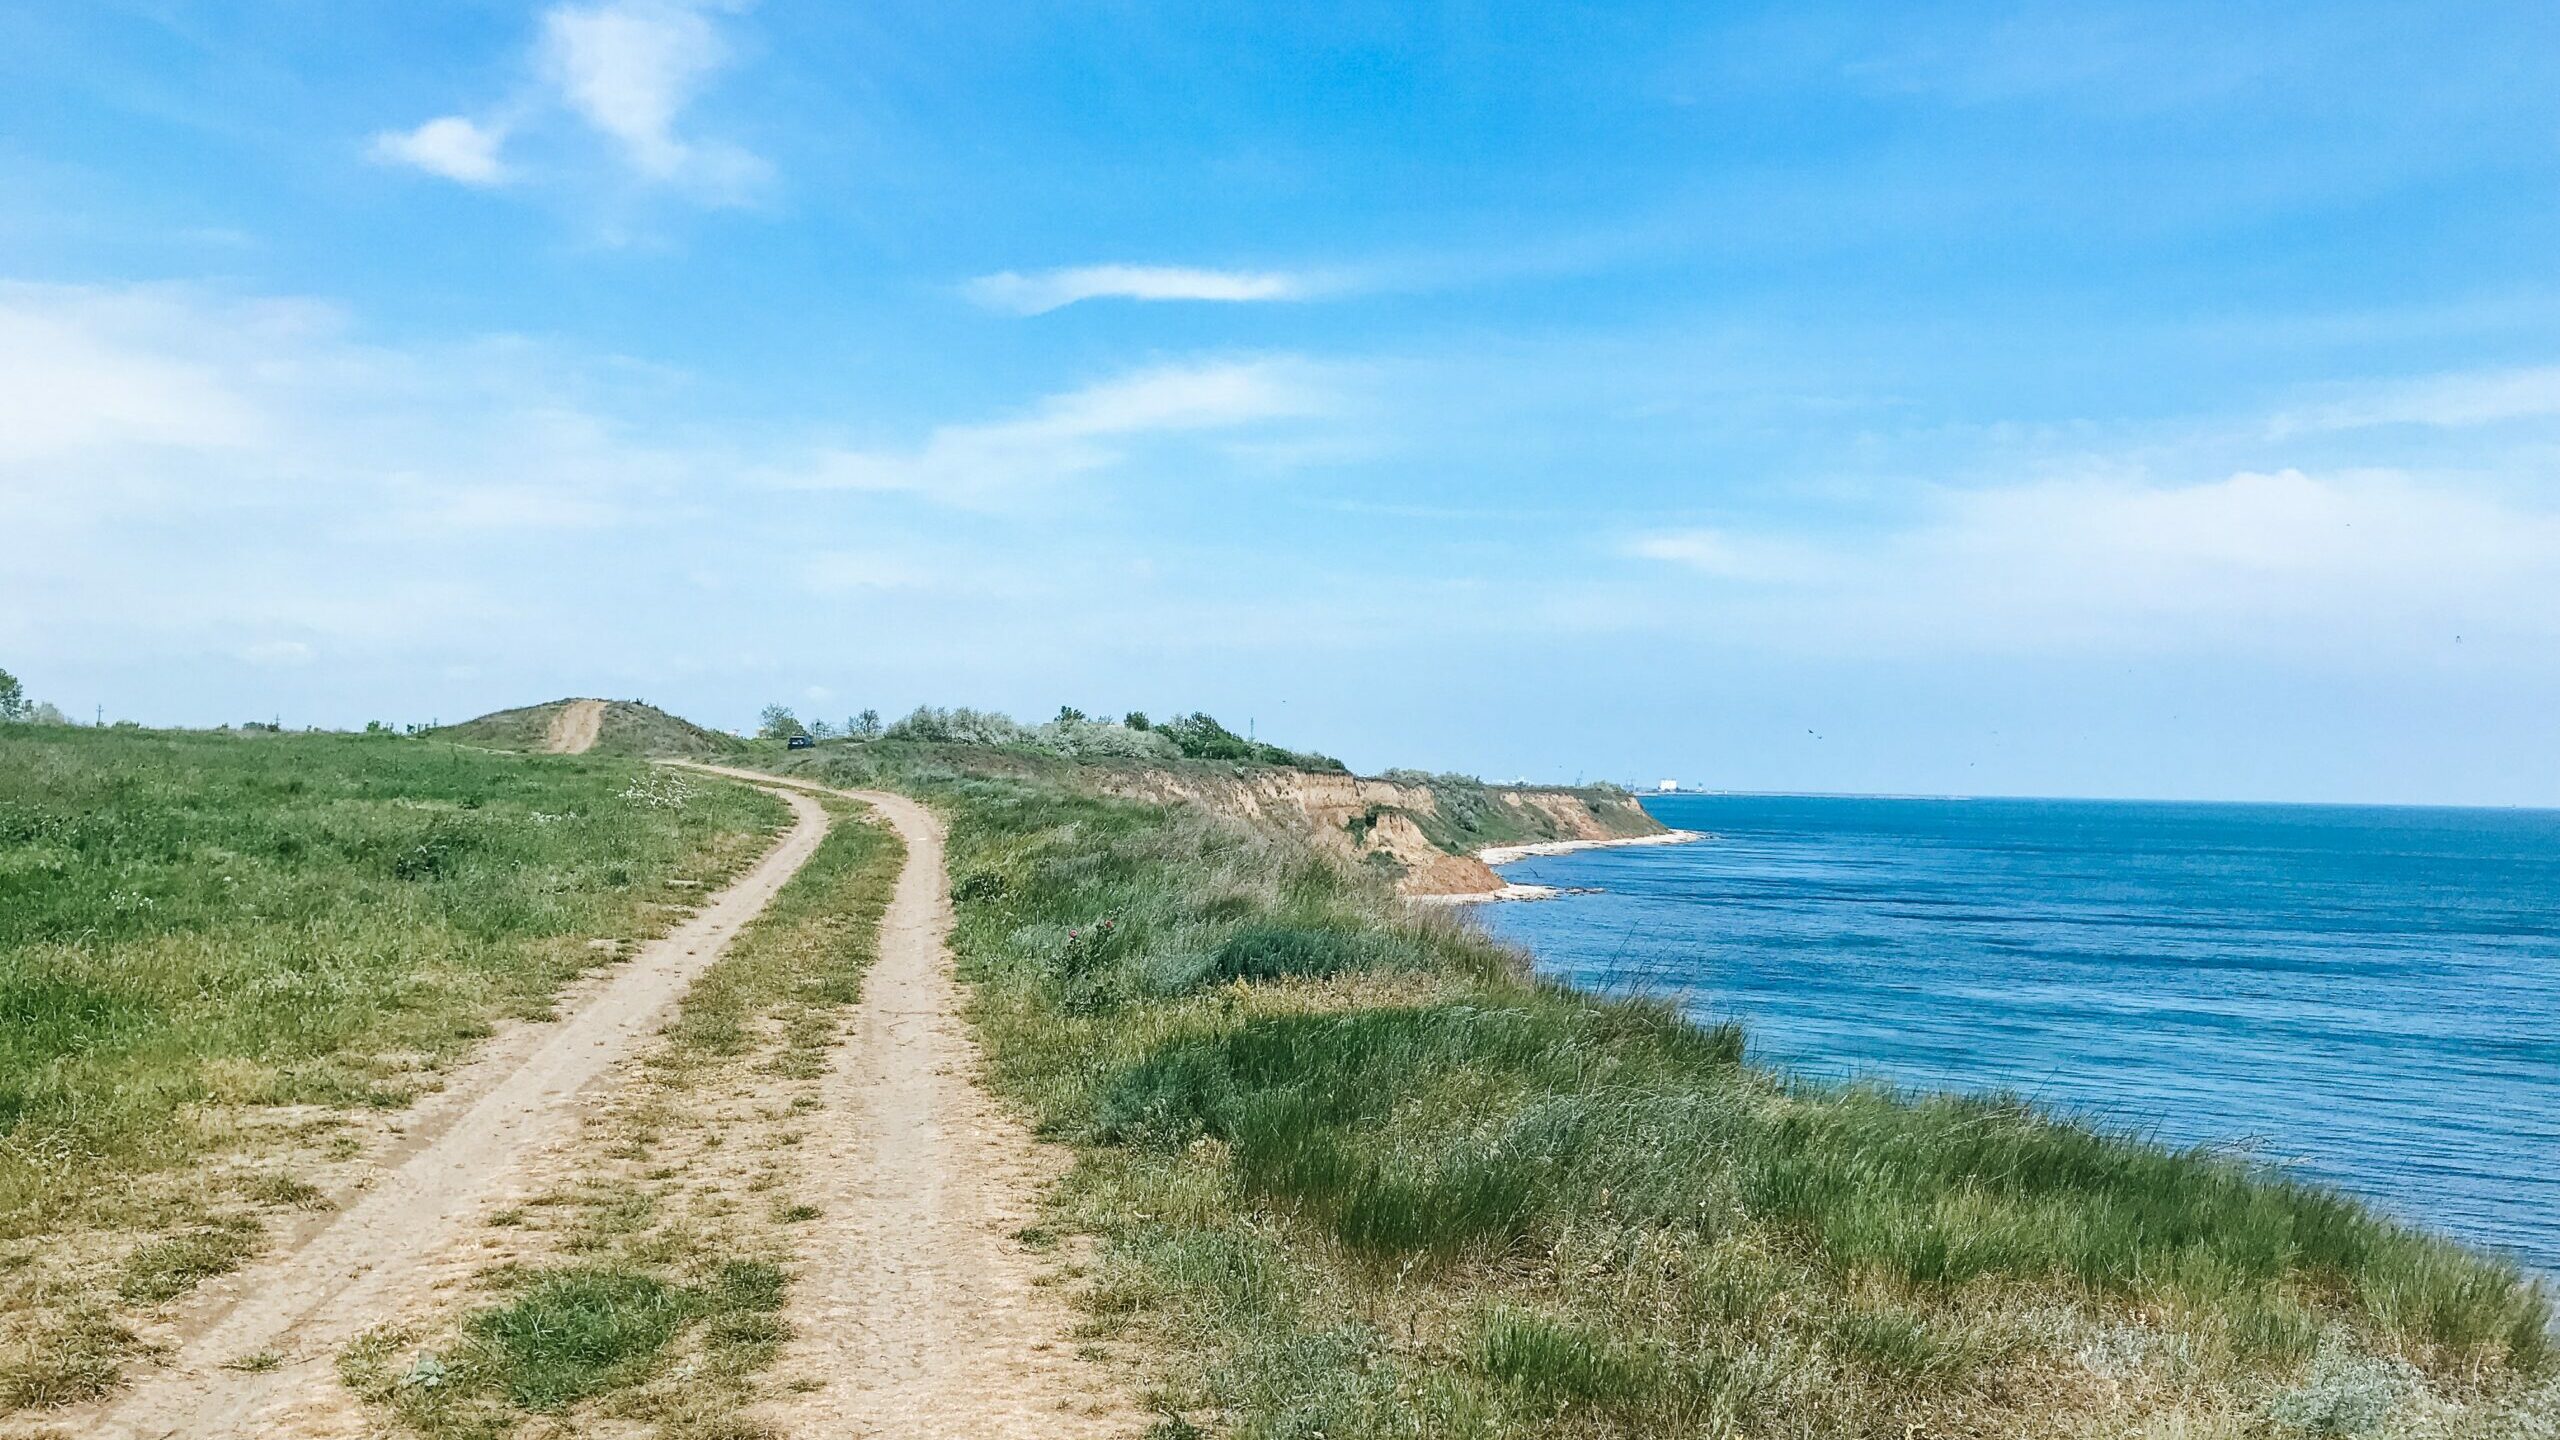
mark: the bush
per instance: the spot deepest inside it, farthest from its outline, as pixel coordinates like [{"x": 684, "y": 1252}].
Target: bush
[
  {"x": 961, "y": 726},
  {"x": 1201, "y": 737},
  {"x": 1078, "y": 738}
]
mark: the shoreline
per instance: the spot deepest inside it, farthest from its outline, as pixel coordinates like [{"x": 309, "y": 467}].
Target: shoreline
[
  {"x": 1509, "y": 854},
  {"x": 1493, "y": 855},
  {"x": 1486, "y": 897}
]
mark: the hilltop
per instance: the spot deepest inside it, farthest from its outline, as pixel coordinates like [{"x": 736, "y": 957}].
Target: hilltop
[{"x": 600, "y": 727}]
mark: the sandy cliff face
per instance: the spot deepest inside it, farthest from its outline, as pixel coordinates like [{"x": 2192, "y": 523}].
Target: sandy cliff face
[{"x": 1382, "y": 822}]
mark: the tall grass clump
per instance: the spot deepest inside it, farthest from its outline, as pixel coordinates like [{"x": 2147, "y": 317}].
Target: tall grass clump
[
  {"x": 222, "y": 956},
  {"x": 1356, "y": 1173}
]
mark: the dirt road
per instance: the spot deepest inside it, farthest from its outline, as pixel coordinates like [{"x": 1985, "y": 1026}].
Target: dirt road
[
  {"x": 303, "y": 1303},
  {"x": 915, "y": 1309},
  {"x": 574, "y": 727}
]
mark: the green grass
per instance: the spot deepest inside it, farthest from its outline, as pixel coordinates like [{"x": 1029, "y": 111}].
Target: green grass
[
  {"x": 1355, "y": 1175},
  {"x": 222, "y": 956},
  {"x": 577, "y": 1331},
  {"x": 649, "y": 1287}
]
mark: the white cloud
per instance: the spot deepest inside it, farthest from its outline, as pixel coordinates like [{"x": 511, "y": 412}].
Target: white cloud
[
  {"x": 2486, "y": 397},
  {"x": 277, "y": 654},
  {"x": 1076, "y": 433},
  {"x": 453, "y": 146},
  {"x": 1731, "y": 555},
  {"x": 1047, "y": 290},
  {"x": 2284, "y": 562},
  {"x": 179, "y": 467},
  {"x": 629, "y": 68},
  {"x": 84, "y": 368}
]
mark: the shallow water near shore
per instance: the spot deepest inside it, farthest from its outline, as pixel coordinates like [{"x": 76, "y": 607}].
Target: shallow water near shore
[{"x": 2370, "y": 996}]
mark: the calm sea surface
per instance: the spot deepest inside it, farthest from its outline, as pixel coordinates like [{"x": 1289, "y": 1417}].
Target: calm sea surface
[{"x": 2371, "y": 996}]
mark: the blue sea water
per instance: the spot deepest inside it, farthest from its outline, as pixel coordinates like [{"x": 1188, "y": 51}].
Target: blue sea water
[{"x": 2369, "y": 996}]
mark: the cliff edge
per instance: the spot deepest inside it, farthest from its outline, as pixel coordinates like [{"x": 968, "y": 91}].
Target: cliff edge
[{"x": 1421, "y": 830}]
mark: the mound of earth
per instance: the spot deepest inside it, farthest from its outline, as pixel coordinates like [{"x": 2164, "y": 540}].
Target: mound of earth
[{"x": 593, "y": 727}]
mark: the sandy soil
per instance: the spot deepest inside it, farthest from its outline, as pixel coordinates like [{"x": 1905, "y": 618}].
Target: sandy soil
[
  {"x": 306, "y": 1301},
  {"x": 574, "y": 728},
  {"x": 916, "y": 1312}
]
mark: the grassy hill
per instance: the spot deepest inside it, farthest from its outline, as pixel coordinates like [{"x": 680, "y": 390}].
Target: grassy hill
[{"x": 630, "y": 728}]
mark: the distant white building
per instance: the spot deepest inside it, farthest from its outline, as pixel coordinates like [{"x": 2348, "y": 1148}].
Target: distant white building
[{"x": 1667, "y": 787}]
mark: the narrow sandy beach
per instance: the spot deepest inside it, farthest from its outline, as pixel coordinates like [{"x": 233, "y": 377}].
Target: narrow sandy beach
[
  {"x": 1506, "y": 854},
  {"x": 1516, "y": 890}
]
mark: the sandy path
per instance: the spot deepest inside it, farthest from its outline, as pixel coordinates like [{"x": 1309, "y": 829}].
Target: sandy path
[
  {"x": 915, "y": 1309},
  {"x": 574, "y": 728},
  {"x": 306, "y": 1302}
]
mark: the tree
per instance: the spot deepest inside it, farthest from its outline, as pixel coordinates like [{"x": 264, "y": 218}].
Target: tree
[
  {"x": 13, "y": 698},
  {"x": 820, "y": 730},
  {"x": 778, "y": 723},
  {"x": 865, "y": 726},
  {"x": 1135, "y": 720},
  {"x": 1068, "y": 714}
]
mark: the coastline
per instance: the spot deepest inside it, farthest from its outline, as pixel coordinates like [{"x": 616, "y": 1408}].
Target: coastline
[
  {"x": 1509, "y": 891},
  {"x": 1492, "y": 855},
  {"x": 1506, "y": 854}
]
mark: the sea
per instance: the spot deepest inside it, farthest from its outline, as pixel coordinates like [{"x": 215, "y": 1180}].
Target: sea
[{"x": 2367, "y": 996}]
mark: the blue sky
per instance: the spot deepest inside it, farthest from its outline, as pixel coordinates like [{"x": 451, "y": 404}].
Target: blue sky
[{"x": 2153, "y": 399}]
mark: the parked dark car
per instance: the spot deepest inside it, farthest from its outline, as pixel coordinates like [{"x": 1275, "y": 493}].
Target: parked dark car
[{"x": 798, "y": 742}]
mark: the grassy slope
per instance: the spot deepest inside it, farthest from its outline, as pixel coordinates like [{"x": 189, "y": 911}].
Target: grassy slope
[
  {"x": 1357, "y": 1176},
  {"x": 646, "y": 1289},
  {"x": 628, "y": 728},
  {"x": 222, "y": 958},
  {"x": 1470, "y": 815}
]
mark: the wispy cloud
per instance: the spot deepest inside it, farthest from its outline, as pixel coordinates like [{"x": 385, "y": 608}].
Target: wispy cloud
[
  {"x": 2485, "y": 397},
  {"x": 275, "y": 653},
  {"x": 86, "y": 369},
  {"x": 1046, "y": 290},
  {"x": 455, "y": 147},
  {"x": 628, "y": 70},
  {"x": 1078, "y": 432},
  {"x": 2286, "y": 561},
  {"x": 1733, "y": 555}
]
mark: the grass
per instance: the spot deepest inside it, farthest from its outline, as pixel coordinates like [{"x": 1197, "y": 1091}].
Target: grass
[
  {"x": 226, "y": 961},
  {"x": 647, "y": 1285},
  {"x": 1355, "y": 1174}
]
